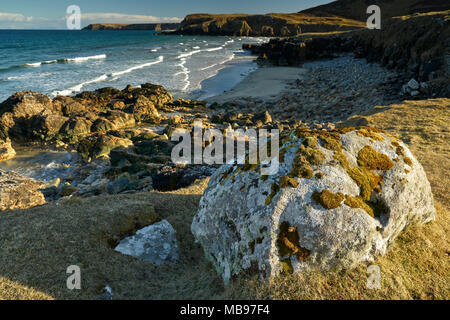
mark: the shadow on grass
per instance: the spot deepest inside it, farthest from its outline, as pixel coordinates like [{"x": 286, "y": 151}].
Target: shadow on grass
[{"x": 37, "y": 246}]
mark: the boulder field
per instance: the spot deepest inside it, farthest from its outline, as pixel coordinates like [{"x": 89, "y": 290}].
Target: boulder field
[
  {"x": 339, "y": 199},
  {"x": 32, "y": 116}
]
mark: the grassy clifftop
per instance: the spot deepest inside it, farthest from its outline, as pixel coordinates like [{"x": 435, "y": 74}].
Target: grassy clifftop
[
  {"x": 356, "y": 9},
  {"x": 139, "y": 26},
  {"x": 273, "y": 24}
]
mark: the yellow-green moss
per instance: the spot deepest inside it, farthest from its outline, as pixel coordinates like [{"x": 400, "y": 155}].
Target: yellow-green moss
[
  {"x": 312, "y": 155},
  {"x": 287, "y": 181},
  {"x": 274, "y": 190},
  {"x": 358, "y": 202},
  {"x": 310, "y": 142},
  {"x": 328, "y": 199},
  {"x": 288, "y": 243},
  {"x": 368, "y": 157},
  {"x": 304, "y": 158},
  {"x": 365, "y": 179},
  {"x": 340, "y": 156},
  {"x": 301, "y": 168},
  {"x": 370, "y": 133},
  {"x": 331, "y": 142},
  {"x": 408, "y": 161},
  {"x": 398, "y": 148},
  {"x": 286, "y": 266}
]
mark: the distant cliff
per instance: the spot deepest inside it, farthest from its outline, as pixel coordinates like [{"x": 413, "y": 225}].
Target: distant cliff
[
  {"x": 273, "y": 24},
  {"x": 139, "y": 26}
]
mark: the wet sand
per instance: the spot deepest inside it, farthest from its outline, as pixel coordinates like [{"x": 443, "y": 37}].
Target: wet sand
[{"x": 267, "y": 83}]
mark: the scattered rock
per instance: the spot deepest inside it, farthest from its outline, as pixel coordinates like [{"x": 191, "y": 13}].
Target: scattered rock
[
  {"x": 413, "y": 84},
  {"x": 156, "y": 243}
]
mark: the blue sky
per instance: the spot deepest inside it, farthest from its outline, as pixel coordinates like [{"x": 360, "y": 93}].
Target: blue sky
[{"x": 50, "y": 14}]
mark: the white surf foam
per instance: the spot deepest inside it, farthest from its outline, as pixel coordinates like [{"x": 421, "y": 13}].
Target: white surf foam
[
  {"x": 184, "y": 55},
  {"x": 104, "y": 77},
  {"x": 78, "y": 87},
  {"x": 33, "y": 65},
  {"x": 217, "y": 64},
  {"x": 159, "y": 60},
  {"x": 184, "y": 71},
  {"x": 214, "y": 49},
  {"x": 68, "y": 60},
  {"x": 82, "y": 59}
]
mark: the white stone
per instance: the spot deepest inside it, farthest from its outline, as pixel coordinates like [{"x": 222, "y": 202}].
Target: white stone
[
  {"x": 413, "y": 84},
  {"x": 238, "y": 231},
  {"x": 156, "y": 243}
]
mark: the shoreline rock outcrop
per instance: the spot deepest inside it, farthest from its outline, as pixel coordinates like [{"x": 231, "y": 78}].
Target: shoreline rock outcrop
[
  {"x": 415, "y": 45},
  {"x": 7, "y": 152},
  {"x": 19, "y": 192},
  {"x": 340, "y": 198}
]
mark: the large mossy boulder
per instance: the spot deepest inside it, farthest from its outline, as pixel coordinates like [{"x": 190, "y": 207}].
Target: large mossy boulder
[{"x": 339, "y": 199}]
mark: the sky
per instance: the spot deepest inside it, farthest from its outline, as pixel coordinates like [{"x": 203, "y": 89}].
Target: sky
[{"x": 51, "y": 14}]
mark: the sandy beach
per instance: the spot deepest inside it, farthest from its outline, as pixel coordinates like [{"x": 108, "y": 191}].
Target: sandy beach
[{"x": 267, "y": 84}]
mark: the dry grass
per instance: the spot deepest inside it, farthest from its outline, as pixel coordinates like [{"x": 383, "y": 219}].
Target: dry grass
[
  {"x": 292, "y": 18},
  {"x": 37, "y": 245},
  {"x": 356, "y": 9}
]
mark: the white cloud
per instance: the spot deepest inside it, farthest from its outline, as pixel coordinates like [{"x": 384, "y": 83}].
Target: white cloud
[
  {"x": 19, "y": 21},
  {"x": 14, "y": 17}
]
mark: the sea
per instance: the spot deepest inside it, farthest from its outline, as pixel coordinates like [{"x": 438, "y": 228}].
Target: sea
[{"x": 63, "y": 62}]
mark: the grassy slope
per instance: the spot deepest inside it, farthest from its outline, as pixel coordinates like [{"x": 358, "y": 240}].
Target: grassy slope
[
  {"x": 291, "y": 18},
  {"x": 356, "y": 9},
  {"x": 37, "y": 245}
]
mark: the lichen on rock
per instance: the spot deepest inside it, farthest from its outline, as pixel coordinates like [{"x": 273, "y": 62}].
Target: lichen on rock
[{"x": 358, "y": 202}]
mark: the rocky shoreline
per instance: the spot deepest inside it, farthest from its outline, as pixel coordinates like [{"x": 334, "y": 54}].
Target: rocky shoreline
[
  {"x": 123, "y": 136},
  {"x": 416, "y": 46}
]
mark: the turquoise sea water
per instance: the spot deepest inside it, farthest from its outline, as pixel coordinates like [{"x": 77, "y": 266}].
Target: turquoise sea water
[{"x": 68, "y": 62}]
